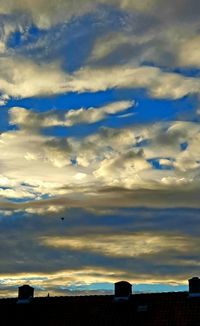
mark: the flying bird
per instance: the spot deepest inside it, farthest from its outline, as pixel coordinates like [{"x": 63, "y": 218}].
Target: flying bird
[{"x": 62, "y": 218}]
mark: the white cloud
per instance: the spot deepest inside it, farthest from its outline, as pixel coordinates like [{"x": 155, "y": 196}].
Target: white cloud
[
  {"x": 122, "y": 169},
  {"x": 15, "y": 193},
  {"x": 166, "y": 162},
  {"x": 189, "y": 159},
  {"x": 38, "y": 162},
  {"x": 34, "y": 165},
  {"x": 20, "y": 77},
  {"x": 159, "y": 84},
  {"x": 29, "y": 119},
  {"x": 3, "y": 99},
  {"x": 24, "y": 78}
]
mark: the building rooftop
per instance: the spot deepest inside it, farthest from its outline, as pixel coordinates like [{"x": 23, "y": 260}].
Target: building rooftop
[{"x": 152, "y": 309}]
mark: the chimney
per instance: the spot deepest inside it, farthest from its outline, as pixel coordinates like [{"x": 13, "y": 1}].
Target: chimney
[
  {"x": 123, "y": 291},
  {"x": 194, "y": 287},
  {"x": 25, "y": 293}
]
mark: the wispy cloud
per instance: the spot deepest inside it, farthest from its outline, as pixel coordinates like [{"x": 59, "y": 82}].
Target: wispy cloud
[{"x": 29, "y": 119}]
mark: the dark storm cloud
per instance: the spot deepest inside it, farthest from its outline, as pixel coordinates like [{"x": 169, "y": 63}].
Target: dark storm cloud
[{"x": 23, "y": 251}]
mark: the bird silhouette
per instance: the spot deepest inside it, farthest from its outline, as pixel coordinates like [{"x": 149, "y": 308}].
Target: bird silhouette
[{"x": 62, "y": 218}]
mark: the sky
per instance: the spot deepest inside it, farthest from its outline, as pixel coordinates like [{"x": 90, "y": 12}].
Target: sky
[{"x": 99, "y": 145}]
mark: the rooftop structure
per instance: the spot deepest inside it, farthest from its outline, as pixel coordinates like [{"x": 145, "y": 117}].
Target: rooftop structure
[{"x": 143, "y": 309}]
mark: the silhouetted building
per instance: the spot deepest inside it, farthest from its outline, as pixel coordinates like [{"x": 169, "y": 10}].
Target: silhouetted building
[
  {"x": 142, "y": 309},
  {"x": 194, "y": 286},
  {"x": 25, "y": 293},
  {"x": 123, "y": 290}
]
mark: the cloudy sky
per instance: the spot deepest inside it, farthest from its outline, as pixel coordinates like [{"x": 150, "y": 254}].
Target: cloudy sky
[{"x": 99, "y": 124}]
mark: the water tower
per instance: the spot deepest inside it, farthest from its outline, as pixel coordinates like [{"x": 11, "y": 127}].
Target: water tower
[
  {"x": 194, "y": 287},
  {"x": 123, "y": 290},
  {"x": 25, "y": 293}
]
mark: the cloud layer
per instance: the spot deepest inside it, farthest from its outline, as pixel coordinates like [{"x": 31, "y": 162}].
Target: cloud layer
[
  {"x": 124, "y": 162},
  {"x": 127, "y": 58},
  {"x": 87, "y": 248}
]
